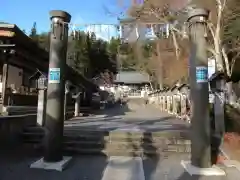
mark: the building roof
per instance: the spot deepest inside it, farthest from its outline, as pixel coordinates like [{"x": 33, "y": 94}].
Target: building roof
[
  {"x": 131, "y": 77},
  {"x": 182, "y": 86}
]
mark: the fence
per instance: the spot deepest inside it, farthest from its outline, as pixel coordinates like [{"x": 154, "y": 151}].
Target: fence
[{"x": 174, "y": 101}]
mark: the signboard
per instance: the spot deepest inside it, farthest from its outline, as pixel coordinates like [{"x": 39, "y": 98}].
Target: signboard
[
  {"x": 54, "y": 75},
  {"x": 201, "y": 74}
]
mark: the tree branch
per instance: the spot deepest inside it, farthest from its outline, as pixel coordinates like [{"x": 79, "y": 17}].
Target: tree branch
[
  {"x": 234, "y": 60},
  {"x": 211, "y": 50},
  {"x": 226, "y": 61},
  {"x": 211, "y": 27},
  {"x": 177, "y": 50}
]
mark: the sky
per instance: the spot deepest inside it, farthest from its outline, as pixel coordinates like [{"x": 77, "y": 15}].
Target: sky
[{"x": 24, "y": 13}]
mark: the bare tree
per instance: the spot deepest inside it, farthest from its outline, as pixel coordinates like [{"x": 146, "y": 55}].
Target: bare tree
[
  {"x": 220, "y": 38},
  {"x": 155, "y": 13}
]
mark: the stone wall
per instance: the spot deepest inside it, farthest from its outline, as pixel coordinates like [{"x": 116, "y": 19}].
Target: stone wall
[
  {"x": 15, "y": 99},
  {"x": 11, "y": 128}
]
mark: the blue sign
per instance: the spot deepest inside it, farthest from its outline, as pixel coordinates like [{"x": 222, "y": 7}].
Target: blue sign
[
  {"x": 201, "y": 74},
  {"x": 54, "y": 75}
]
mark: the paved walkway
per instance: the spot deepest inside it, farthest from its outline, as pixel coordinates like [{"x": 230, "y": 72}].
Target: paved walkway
[
  {"x": 15, "y": 165},
  {"x": 132, "y": 117}
]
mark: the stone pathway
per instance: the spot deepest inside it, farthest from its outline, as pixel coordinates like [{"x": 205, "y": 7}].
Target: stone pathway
[{"x": 134, "y": 116}]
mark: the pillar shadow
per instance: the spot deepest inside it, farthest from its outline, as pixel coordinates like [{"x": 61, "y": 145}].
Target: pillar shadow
[
  {"x": 135, "y": 151},
  {"x": 151, "y": 155},
  {"x": 118, "y": 110}
]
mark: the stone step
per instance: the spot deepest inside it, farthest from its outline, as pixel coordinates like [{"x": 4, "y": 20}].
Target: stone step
[
  {"x": 118, "y": 135},
  {"x": 119, "y": 152},
  {"x": 112, "y": 150},
  {"x": 74, "y": 137},
  {"x": 115, "y": 142},
  {"x": 118, "y": 145}
]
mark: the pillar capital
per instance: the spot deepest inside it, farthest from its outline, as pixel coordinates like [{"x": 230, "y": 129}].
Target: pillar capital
[
  {"x": 61, "y": 15},
  {"x": 198, "y": 15}
]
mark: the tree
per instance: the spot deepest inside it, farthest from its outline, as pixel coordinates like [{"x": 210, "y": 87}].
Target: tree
[
  {"x": 78, "y": 56},
  {"x": 166, "y": 19},
  {"x": 43, "y": 40},
  {"x": 223, "y": 38},
  {"x": 91, "y": 56},
  {"x": 222, "y": 25},
  {"x": 33, "y": 33},
  {"x": 230, "y": 36},
  {"x": 86, "y": 54}
]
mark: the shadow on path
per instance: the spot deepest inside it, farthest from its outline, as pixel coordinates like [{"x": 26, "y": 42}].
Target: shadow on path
[
  {"x": 117, "y": 110},
  {"x": 151, "y": 161}
]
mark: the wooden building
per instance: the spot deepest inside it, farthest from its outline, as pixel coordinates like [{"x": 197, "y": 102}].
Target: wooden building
[{"x": 20, "y": 57}]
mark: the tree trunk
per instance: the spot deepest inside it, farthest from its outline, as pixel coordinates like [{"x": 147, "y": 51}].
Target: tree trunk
[{"x": 160, "y": 74}]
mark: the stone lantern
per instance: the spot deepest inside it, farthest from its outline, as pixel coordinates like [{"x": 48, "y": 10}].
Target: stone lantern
[
  {"x": 184, "y": 94},
  {"x": 217, "y": 85},
  {"x": 41, "y": 84}
]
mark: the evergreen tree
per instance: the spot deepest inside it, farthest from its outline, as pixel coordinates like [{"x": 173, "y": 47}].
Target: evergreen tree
[
  {"x": 33, "y": 32},
  {"x": 86, "y": 54}
]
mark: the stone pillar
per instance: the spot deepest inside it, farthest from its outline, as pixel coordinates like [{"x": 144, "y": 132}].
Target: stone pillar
[
  {"x": 66, "y": 97},
  {"x": 174, "y": 104},
  {"x": 168, "y": 103},
  {"x": 161, "y": 102},
  {"x": 56, "y": 86},
  {"x": 5, "y": 77},
  {"x": 171, "y": 104},
  {"x": 77, "y": 104},
  {"x": 164, "y": 102},
  {"x": 178, "y": 105},
  {"x": 183, "y": 105},
  {"x": 199, "y": 92}
]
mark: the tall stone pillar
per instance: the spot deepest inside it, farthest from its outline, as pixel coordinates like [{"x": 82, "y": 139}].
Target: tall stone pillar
[
  {"x": 53, "y": 158},
  {"x": 56, "y": 86},
  {"x": 199, "y": 93}
]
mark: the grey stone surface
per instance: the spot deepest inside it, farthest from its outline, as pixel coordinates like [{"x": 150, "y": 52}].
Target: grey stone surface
[{"x": 16, "y": 167}]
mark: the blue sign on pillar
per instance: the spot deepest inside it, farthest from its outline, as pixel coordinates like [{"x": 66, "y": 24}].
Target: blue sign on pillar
[
  {"x": 201, "y": 74},
  {"x": 54, "y": 75}
]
